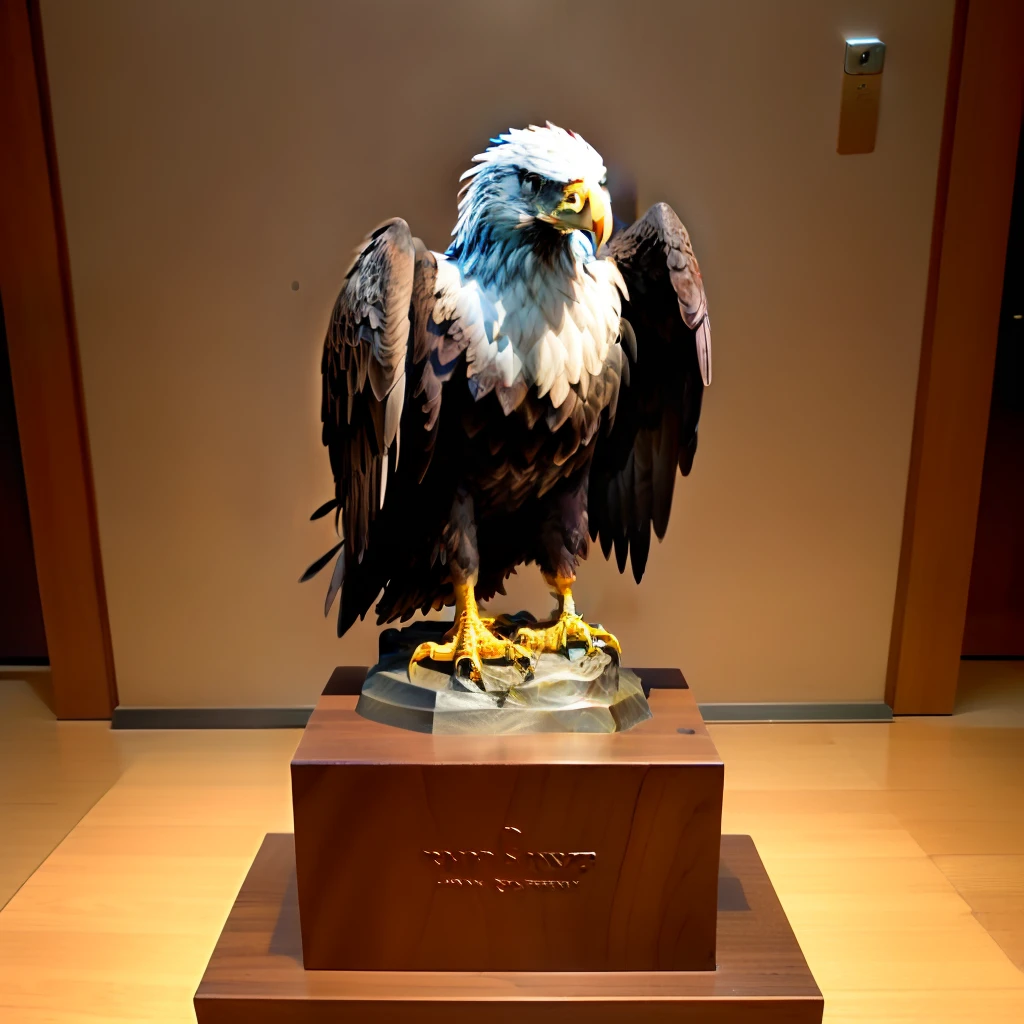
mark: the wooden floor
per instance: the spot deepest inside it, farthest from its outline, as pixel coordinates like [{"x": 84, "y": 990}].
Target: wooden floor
[
  {"x": 49, "y": 776},
  {"x": 897, "y": 851}
]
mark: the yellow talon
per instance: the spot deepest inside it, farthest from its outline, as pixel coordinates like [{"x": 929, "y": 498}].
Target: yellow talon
[
  {"x": 566, "y": 629},
  {"x": 557, "y": 635},
  {"x": 470, "y": 642}
]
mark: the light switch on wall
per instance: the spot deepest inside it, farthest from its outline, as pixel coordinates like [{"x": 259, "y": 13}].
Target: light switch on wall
[{"x": 862, "y": 93}]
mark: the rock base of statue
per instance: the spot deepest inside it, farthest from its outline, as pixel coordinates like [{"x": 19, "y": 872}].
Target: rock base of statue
[{"x": 582, "y": 692}]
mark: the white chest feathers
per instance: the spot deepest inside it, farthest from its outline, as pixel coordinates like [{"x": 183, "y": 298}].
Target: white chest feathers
[{"x": 543, "y": 327}]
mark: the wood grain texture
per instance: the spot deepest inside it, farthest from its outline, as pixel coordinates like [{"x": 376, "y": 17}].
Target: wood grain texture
[
  {"x": 957, "y": 356},
  {"x": 35, "y": 282},
  {"x": 49, "y": 778},
  {"x": 256, "y": 973},
  {"x": 434, "y": 845}
]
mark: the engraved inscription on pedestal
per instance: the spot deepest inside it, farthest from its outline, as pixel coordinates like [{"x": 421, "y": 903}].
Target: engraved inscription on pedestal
[{"x": 509, "y": 869}]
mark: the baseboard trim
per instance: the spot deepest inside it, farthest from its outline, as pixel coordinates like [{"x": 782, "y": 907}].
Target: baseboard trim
[
  {"x": 210, "y": 718},
  {"x": 868, "y": 711},
  {"x": 296, "y": 717}
]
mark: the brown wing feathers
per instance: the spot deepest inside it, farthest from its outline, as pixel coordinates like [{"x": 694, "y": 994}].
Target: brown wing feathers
[
  {"x": 655, "y": 430},
  {"x": 366, "y": 343},
  {"x": 363, "y": 388},
  {"x": 381, "y": 349}
]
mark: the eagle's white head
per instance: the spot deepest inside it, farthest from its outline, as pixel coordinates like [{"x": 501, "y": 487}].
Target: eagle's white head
[{"x": 533, "y": 187}]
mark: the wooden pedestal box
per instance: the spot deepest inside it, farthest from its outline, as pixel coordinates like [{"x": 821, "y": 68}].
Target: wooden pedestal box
[
  {"x": 490, "y": 880},
  {"x": 548, "y": 852}
]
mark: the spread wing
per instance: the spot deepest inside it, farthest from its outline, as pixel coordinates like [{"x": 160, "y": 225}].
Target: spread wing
[
  {"x": 363, "y": 371},
  {"x": 380, "y": 404},
  {"x": 655, "y": 426}
]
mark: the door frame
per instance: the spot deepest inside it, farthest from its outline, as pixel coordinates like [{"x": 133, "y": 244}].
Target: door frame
[
  {"x": 35, "y": 281},
  {"x": 969, "y": 236}
]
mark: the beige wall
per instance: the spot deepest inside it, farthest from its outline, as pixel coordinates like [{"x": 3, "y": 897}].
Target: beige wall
[{"x": 212, "y": 153}]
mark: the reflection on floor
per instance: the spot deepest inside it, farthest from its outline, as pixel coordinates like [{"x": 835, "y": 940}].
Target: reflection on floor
[
  {"x": 893, "y": 848},
  {"x": 984, "y": 859},
  {"x": 50, "y": 776}
]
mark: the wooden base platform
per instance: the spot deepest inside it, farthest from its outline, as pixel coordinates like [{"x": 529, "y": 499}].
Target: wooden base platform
[{"x": 256, "y": 975}]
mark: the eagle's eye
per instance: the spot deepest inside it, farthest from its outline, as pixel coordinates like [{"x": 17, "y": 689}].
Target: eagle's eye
[{"x": 529, "y": 182}]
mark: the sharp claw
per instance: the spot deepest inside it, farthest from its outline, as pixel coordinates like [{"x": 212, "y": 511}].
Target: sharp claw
[
  {"x": 467, "y": 662},
  {"x": 556, "y": 637},
  {"x": 607, "y": 639},
  {"x": 520, "y": 657},
  {"x": 431, "y": 650}
]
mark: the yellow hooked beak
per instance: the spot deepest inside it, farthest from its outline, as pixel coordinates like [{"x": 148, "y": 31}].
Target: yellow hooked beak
[{"x": 586, "y": 207}]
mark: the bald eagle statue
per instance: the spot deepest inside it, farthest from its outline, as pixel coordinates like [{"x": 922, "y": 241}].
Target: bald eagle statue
[{"x": 531, "y": 389}]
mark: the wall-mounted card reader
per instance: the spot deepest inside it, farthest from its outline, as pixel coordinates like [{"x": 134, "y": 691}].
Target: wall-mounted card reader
[{"x": 862, "y": 93}]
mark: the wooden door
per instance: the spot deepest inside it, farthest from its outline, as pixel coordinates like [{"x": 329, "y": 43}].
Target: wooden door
[{"x": 995, "y": 605}]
